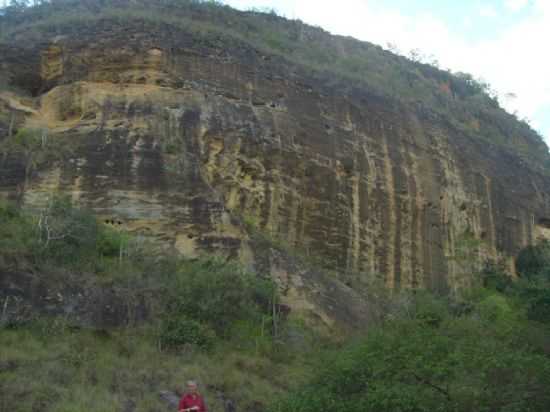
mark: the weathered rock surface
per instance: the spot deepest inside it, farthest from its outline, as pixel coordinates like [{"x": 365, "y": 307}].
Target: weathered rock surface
[
  {"x": 82, "y": 303},
  {"x": 186, "y": 140}
]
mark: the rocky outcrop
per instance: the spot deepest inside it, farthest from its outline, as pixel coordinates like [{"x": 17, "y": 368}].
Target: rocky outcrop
[
  {"x": 79, "y": 302},
  {"x": 199, "y": 142}
]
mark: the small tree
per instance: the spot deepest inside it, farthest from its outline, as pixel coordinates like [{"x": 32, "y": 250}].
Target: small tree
[{"x": 66, "y": 234}]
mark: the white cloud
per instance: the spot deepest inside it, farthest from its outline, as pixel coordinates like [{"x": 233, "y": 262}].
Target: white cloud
[
  {"x": 543, "y": 6},
  {"x": 516, "y": 61},
  {"x": 488, "y": 11},
  {"x": 516, "y": 5}
]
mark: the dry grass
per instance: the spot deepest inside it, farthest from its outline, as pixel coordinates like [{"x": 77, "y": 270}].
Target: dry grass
[{"x": 48, "y": 367}]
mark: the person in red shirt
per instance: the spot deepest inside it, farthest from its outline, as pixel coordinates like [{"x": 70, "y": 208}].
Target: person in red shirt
[{"x": 192, "y": 401}]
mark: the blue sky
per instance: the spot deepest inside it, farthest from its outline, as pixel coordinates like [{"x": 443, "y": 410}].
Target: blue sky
[{"x": 500, "y": 41}]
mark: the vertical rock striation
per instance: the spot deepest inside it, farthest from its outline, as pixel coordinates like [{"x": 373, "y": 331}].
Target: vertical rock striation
[{"x": 186, "y": 139}]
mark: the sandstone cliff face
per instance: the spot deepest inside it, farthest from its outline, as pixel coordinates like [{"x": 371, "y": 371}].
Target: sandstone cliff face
[{"x": 186, "y": 139}]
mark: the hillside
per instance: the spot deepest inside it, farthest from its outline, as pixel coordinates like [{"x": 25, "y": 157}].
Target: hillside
[
  {"x": 297, "y": 220},
  {"x": 96, "y": 321},
  {"x": 189, "y": 120}
]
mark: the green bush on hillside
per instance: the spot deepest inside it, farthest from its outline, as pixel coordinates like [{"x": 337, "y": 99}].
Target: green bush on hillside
[
  {"x": 534, "y": 261},
  {"x": 481, "y": 361},
  {"x": 178, "y": 330},
  {"x": 61, "y": 234},
  {"x": 218, "y": 294},
  {"x": 16, "y": 234},
  {"x": 67, "y": 234},
  {"x": 486, "y": 351},
  {"x": 203, "y": 300},
  {"x": 496, "y": 278},
  {"x": 539, "y": 307}
]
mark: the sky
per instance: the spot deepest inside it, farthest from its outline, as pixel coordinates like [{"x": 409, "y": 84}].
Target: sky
[{"x": 503, "y": 42}]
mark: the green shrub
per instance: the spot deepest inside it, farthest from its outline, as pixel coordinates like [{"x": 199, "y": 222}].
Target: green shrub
[
  {"x": 538, "y": 308},
  {"x": 178, "y": 331},
  {"x": 495, "y": 278},
  {"x": 494, "y": 307},
  {"x": 430, "y": 309},
  {"x": 482, "y": 353},
  {"x": 17, "y": 237},
  {"x": 534, "y": 260},
  {"x": 463, "y": 365},
  {"x": 108, "y": 243},
  {"x": 111, "y": 243},
  {"x": 218, "y": 294},
  {"x": 67, "y": 234}
]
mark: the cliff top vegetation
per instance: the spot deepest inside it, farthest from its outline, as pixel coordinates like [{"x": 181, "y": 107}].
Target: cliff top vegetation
[{"x": 458, "y": 99}]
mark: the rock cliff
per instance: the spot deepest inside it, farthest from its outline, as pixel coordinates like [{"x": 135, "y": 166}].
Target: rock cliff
[{"x": 204, "y": 142}]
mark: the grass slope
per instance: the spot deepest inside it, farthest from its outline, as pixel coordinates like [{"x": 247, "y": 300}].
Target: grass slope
[{"x": 484, "y": 349}]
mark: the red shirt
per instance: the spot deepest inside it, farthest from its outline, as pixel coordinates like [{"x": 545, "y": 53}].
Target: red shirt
[{"x": 192, "y": 399}]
